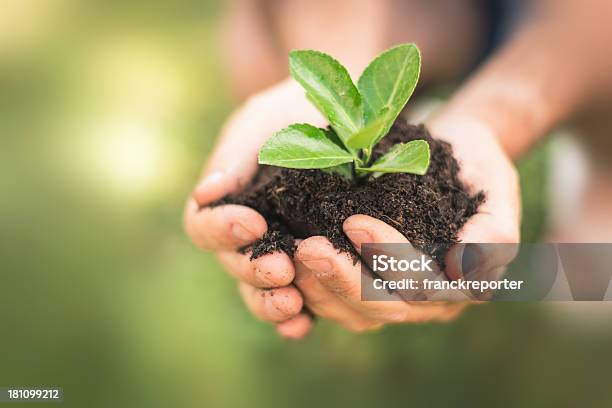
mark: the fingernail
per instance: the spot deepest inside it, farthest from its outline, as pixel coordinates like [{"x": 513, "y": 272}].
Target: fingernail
[
  {"x": 242, "y": 234},
  {"x": 470, "y": 260},
  {"x": 318, "y": 265},
  {"x": 201, "y": 191},
  {"x": 358, "y": 237}
]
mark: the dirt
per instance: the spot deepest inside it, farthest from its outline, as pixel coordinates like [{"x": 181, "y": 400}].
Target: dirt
[{"x": 428, "y": 210}]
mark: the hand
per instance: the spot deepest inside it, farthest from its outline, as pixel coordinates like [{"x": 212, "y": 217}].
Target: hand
[
  {"x": 331, "y": 282},
  {"x": 484, "y": 166},
  {"x": 266, "y": 282}
]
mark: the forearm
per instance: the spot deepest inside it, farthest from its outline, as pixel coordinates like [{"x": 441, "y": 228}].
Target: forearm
[{"x": 543, "y": 75}]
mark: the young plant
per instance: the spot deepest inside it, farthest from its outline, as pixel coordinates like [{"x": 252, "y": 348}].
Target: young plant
[{"x": 360, "y": 116}]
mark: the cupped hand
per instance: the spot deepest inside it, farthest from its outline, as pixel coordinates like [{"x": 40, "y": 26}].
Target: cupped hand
[
  {"x": 484, "y": 167},
  {"x": 266, "y": 282},
  {"x": 331, "y": 282}
]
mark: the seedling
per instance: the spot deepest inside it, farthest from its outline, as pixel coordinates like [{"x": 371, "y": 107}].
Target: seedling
[{"x": 359, "y": 116}]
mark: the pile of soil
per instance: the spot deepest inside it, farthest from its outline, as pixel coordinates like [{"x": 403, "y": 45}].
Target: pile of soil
[{"x": 428, "y": 210}]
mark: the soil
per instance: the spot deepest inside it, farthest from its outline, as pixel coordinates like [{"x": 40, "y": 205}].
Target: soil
[{"x": 429, "y": 210}]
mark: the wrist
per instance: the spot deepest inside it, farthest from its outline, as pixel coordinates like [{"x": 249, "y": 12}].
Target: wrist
[
  {"x": 513, "y": 111},
  {"x": 523, "y": 91}
]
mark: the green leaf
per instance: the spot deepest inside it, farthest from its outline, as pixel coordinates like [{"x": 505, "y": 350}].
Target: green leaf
[
  {"x": 387, "y": 84},
  {"x": 330, "y": 88},
  {"x": 365, "y": 137},
  {"x": 302, "y": 146},
  {"x": 411, "y": 157}
]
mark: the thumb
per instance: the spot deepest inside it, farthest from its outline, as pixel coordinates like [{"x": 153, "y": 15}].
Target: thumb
[{"x": 234, "y": 161}]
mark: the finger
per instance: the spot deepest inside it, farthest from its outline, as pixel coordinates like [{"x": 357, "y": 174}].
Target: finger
[
  {"x": 484, "y": 250},
  {"x": 497, "y": 220},
  {"x": 268, "y": 271},
  {"x": 295, "y": 328},
  {"x": 327, "y": 305},
  {"x": 224, "y": 227},
  {"x": 272, "y": 305},
  {"x": 340, "y": 275},
  {"x": 233, "y": 162},
  {"x": 362, "y": 229}
]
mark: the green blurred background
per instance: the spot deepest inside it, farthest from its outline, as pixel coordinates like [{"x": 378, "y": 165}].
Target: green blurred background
[{"x": 107, "y": 111}]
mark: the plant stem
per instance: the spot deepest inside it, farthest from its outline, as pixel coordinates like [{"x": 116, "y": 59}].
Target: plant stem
[
  {"x": 367, "y": 153},
  {"x": 360, "y": 176}
]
